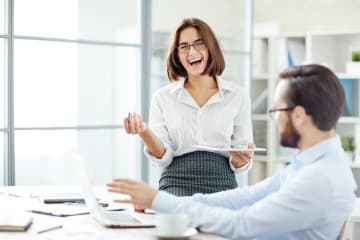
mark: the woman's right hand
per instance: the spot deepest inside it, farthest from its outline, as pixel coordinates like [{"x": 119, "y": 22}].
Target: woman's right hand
[{"x": 134, "y": 124}]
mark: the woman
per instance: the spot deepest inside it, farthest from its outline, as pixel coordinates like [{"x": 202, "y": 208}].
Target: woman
[{"x": 198, "y": 109}]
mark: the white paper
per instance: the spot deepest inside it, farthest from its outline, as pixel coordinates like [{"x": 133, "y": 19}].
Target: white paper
[{"x": 242, "y": 148}]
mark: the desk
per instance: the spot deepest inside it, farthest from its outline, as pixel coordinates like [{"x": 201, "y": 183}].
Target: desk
[{"x": 74, "y": 227}]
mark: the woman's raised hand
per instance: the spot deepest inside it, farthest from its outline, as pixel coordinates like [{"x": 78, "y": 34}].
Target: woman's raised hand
[{"x": 134, "y": 124}]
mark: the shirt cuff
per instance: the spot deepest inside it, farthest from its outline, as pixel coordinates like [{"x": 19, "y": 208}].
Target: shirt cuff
[
  {"x": 164, "y": 202},
  {"x": 244, "y": 168},
  {"x": 161, "y": 162}
]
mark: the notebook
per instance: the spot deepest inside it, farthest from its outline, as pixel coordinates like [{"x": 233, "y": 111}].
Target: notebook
[
  {"x": 15, "y": 222},
  {"x": 107, "y": 219}
]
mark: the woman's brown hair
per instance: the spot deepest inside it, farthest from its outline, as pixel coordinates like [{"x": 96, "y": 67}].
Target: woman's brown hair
[{"x": 216, "y": 63}]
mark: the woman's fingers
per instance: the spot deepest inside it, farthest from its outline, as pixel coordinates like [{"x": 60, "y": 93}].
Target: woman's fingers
[
  {"x": 123, "y": 201},
  {"x": 241, "y": 154},
  {"x": 137, "y": 123},
  {"x": 124, "y": 180},
  {"x": 126, "y": 125},
  {"x": 251, "y": 145},
  {"x": 240, "y": 158},
  {"x": 134, "y": 124}
]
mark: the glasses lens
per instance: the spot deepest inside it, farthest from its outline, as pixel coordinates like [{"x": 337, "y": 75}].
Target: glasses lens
[
  {"x": 198, "y": 45},
  {"x": 183, "y": 47}
]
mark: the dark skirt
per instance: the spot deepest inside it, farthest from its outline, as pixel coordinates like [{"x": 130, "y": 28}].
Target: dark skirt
[{"x": 197, "y": 172}]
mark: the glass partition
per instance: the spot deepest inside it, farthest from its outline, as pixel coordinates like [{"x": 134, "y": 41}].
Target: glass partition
[
  {"x": 106, "y": 20},
  {"x": 44, "y": 157},
  {"x": 67, "y": 84}
]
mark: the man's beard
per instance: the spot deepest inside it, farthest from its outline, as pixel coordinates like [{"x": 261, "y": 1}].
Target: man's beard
[{"x": 289, "y": 137}]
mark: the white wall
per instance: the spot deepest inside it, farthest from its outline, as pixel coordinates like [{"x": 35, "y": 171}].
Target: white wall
[
  {"x": 223, "y": 16},
  {"x": 308, "y": 15}
]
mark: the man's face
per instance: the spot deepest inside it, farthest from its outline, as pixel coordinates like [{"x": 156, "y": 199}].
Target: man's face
[{"x": 289, "y": 137}]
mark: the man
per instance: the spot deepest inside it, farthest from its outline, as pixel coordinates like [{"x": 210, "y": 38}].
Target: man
[{"x": 310, "y": 199}]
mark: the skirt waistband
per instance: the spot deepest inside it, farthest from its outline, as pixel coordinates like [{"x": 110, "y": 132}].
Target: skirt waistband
[{"x": 197, "y": 172}]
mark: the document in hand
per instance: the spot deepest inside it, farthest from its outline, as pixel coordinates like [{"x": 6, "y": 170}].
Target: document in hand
[{"x": 15, "y": 222}]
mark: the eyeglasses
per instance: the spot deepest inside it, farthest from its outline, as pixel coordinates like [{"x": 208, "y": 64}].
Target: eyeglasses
[
  {"x": 185, "y": 47},
  {"x": 287, "y": 109}
]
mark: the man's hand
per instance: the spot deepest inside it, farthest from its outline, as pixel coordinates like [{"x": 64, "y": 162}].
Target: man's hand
[
  {"x": 134, "y": 124},
  {"x": 141, "y": 194},
  {"x": 241, "y": 158}
]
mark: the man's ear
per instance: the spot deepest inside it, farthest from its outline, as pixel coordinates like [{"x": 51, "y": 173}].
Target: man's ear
[{"x": 298, "y": 116}]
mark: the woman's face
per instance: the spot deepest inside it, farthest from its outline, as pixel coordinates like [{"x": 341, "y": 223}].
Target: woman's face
[{"x": 192, "y": 52}]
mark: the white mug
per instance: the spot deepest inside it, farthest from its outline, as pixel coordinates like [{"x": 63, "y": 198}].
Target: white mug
[{"x": 171, "y": 225}]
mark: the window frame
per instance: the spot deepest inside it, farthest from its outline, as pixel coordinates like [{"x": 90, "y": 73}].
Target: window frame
[{"x": 144, "y": 28}]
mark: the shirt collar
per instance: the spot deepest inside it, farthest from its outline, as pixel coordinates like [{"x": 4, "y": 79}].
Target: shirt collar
[
  {"x": 185, "y": 97},
  {"x": 178, "y": 85},
  {"x": 313, "y": 153},
  {"x": 223, "y": 86}
]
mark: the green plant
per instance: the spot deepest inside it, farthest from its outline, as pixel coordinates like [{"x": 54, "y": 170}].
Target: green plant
[
  {"x": 348, "y": 144},
  {"x": 355, "y": 56}
]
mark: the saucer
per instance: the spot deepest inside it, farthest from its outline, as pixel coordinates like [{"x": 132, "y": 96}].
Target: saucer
[{"x": 189, "y": 233}]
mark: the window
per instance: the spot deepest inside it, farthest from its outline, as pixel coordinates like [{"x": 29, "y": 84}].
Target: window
[
  {"x": 45, "y": 155},
  {"x": 76, "y": 76},
  {"x": 106, "y": 20},
  {"x": 2, "y": 82},
  {"x": 2, "y": 87},
  {"x": 2, "y": 158},
  {"x": 2, "y": 17},
  {"x": 68, "y": 84}
]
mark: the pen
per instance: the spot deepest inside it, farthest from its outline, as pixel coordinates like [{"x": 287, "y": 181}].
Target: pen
[{"x": 49, "y": 229}]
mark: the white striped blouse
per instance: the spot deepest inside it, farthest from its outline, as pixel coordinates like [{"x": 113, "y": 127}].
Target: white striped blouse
[{"x": 224, "y": 121}]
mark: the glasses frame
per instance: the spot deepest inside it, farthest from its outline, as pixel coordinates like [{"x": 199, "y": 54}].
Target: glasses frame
[
  {"x": 188, "y": 46},
  {"x": 273, "y": 110}
]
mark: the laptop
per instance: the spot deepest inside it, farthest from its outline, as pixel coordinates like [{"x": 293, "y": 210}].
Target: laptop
[{"x": 109, "y": 219}]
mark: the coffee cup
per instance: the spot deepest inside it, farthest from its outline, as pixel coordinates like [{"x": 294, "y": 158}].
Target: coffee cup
[{"x": 171, "y": 225}]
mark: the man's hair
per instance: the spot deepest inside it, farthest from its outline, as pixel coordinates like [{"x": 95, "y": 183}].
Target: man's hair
[
  {"x": 216, "y": 63},
  {"x": 318, "y": 90}
]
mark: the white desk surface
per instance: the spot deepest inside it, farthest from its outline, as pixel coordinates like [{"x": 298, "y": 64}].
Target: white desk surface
[{"x": 74, "y": 227}]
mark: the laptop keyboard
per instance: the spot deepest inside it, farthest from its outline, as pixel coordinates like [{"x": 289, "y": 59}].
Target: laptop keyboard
[{"x": 117, "y": 217}]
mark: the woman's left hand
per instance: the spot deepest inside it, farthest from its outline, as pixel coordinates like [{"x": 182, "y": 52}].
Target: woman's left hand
[
  {"x": 241, "y": 158},
  {"x": 141, "y": 194}
]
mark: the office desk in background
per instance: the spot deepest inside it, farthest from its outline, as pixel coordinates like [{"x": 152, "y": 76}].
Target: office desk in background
[{"x": 74, "y": 227}]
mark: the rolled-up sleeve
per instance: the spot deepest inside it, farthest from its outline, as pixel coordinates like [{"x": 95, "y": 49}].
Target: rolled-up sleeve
[
  {"x": 165, "y": 160},
  {"x": 158, "y": 126}
]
